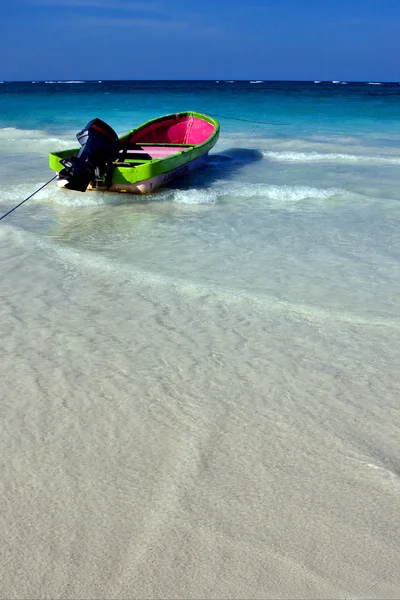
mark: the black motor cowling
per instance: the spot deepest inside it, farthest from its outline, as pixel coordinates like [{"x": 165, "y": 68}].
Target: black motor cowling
[{"x": 100, "y": 147}]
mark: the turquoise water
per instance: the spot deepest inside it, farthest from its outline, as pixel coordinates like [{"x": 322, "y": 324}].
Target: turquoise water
[
  {"x": 57, "y": 107},
  {"x": 305, "y": 178},
  {"x": 237, "y": 332}
]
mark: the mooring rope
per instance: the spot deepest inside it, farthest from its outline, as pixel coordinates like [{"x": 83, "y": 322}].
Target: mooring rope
[
  {"x": 15, "y": 207},
  {"x": 255, "y": 123}
]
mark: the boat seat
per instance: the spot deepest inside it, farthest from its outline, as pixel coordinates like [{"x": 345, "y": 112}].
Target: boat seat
[
  {"x": 150, "y": 152},
  {"x": 133, "y": 152}
]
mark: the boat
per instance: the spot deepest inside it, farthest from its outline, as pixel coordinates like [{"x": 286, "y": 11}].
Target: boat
[{"x": 139, "y": 161}]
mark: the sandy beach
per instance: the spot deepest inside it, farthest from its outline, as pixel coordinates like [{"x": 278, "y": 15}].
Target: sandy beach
[
  {"x": 200, "y": 391},
  {"x": 207, "y": 453}
]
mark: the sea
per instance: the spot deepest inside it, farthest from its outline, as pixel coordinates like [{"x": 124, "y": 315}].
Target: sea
[{"x": 200, "y": 387}]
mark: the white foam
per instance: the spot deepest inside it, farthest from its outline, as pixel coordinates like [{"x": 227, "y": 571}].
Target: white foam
[
  {"x": 283, "y": 193},
  {"x": 54, "y": 195},
  {"x": 298, "y": 193},
  {"x": 284, "y": 196},
  {"x": 329, "y": 157},
  {"x": 89, "y": 198},
  {"x": 18, "y": 192},
  {"x": 72, "y": 81},
  {"x": 195, "y": 196},
  {"x": 13, "y": 140}
]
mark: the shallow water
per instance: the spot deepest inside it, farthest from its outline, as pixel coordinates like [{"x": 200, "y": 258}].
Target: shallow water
[{"x": 200, "y": 387}]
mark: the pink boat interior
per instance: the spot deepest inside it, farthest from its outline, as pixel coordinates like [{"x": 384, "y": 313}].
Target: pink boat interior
[{"x": 165, "y": 138}]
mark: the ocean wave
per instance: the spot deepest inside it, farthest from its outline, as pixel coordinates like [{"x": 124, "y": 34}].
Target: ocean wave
[
  {"x": 55, "y": 195},
  {"x": 298, "y": 193},
  {"x": 14, "y": 140},
  {"x": 283, "y": 196},
  {"x": 262, "y": 302},
  {"x": 282, "y": 193},
  {"x": 329, "y": 157},
  {"x": 18, "y": 192},
  {"x": 90, "y": 198},
  {"x": 52, "y": 194},
  {"x": 196, "y": 196},
  {"x": 72, "y": 81}
]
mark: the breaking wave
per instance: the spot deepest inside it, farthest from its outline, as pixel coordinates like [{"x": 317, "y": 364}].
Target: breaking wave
[
  {"x": 72, "y": 81},
  {"x": 13, "y": 140},
  {"x": 330, "y": 157},
  {"x": 280, "y": 195},
  {"x": 196, "y": 196}
]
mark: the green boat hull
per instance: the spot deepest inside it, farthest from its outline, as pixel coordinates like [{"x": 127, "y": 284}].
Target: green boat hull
[{"x": 148, "y": 164}]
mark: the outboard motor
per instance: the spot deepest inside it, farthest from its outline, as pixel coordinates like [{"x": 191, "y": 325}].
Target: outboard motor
[{"x": 100, "y": 147}]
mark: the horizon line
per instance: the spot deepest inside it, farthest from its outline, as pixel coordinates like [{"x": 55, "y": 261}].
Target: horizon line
[{"x": 247, "y": 80}]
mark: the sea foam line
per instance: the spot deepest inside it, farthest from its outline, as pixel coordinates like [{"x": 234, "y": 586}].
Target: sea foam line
[
  {"x": 280, "y": 195},
  {"x": 385, "y": 472},
  {"x": 329, "y": 157},
  {"x": 263, "y": 302},
  {"x": 258, "y": 301},
  {"x": 30, "y": 140}
]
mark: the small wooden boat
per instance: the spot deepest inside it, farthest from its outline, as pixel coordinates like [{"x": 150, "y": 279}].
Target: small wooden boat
[{"x": 140, "y": 161}]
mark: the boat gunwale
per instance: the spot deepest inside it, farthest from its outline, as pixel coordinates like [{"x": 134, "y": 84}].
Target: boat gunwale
[{"x": 146, "y": 169}]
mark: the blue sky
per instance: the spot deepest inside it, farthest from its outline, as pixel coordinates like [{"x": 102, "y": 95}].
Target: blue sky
[{"x": 200, "y": 39}]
